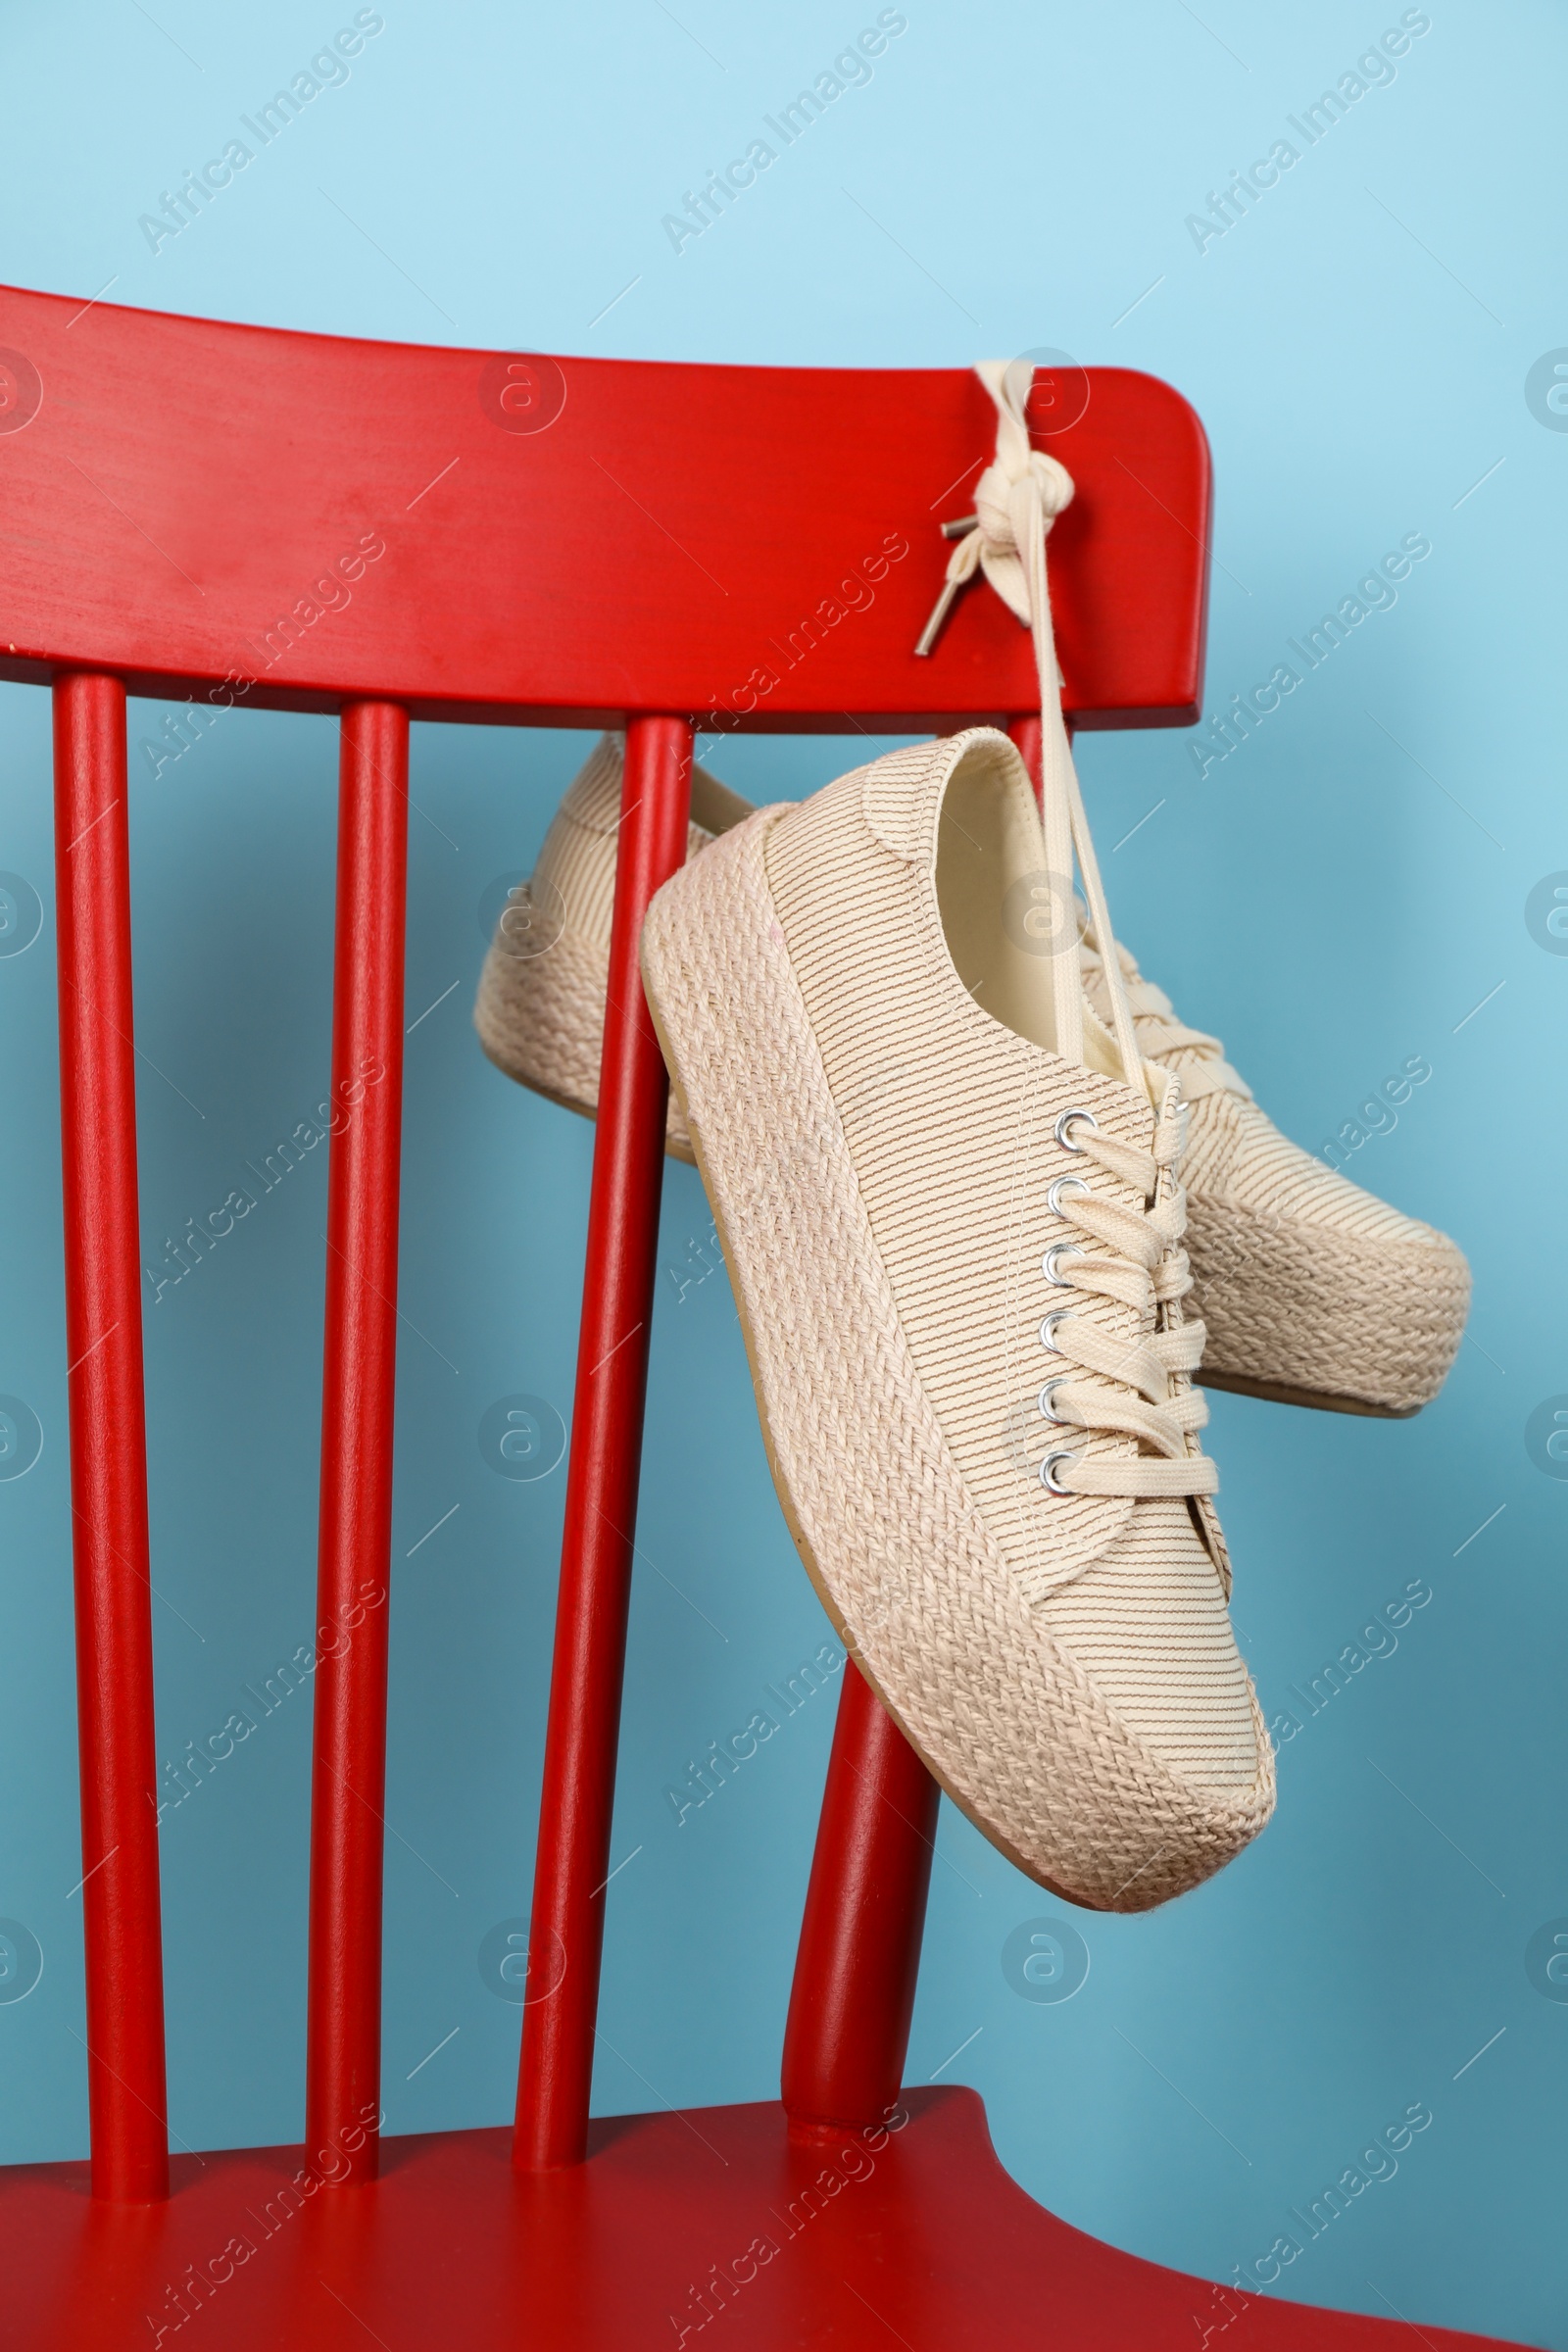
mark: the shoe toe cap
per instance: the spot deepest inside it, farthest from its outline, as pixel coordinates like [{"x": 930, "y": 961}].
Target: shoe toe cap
[
  {"x": 1290, "y": 1302},
  {"x": 1183, "y": 1759}
]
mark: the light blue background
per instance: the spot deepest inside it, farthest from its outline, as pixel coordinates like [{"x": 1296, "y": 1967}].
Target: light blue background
[{"x": 1332, "y": 899}]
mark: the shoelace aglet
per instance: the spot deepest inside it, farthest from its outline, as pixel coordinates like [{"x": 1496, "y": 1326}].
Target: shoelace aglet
[
  {"x": 939, "y": 613},
  {"x": 956, "y": 531}
]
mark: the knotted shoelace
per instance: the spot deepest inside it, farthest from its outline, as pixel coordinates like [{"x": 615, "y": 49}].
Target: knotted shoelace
[{"x": 1143, "y": 1391}]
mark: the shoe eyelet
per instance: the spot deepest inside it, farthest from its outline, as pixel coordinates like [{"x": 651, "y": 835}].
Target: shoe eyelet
[
  {"x": 1047, "y": 1477},
  {"x": 1063, "y": 1184},
  {"x": 1048, "y": 1332},
  {"x": 1052, "y": 1261},
  {"x": 1047, "y": 1402},
  {"x": 1065, "y": 1121}
]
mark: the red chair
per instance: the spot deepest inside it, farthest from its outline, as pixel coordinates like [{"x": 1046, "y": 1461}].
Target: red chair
[{"x": 231, "y": 514}]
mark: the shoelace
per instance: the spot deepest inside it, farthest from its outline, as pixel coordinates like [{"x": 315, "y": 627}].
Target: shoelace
[
  {"x": 1161, "y": 1037},
  {"x": 1145, "y": 1391}
]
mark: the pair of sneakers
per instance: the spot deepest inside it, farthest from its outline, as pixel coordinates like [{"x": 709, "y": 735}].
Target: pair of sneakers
[{"x": 941, "y": 1118}]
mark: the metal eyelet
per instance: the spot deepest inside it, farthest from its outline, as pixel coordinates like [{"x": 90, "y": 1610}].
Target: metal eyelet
[
  {"x": 1053, "y": 1259},
  {"x": 1047, "y": 1401},
  {"x": 1065, "y": 1121},
  {"x": 1048, "y": 1473},
  {"x": 1048, "y": 1332},
  {"x": 1063, "y": 1184}
]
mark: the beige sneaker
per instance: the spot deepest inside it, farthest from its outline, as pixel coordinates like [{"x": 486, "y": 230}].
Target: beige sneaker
[
  {"x": 1313, "y": 1291},
  {"x": 540, "y": 1010},
  {"x": 953, "y": 1232}
]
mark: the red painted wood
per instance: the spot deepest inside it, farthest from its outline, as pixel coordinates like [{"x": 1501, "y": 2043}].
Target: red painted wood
[
  {"x": 343, "y": 2057},
  {"x": 298, "y": 521},
  {"x": 186, "y": 486},
  {"x": 107, "y": 1447},
  {"x": 716, "y": 2227},
  {"x": 1025, "y": 733},
  {"x": 596, "y": 1557},
  {"x": 859, "y": 1947}
]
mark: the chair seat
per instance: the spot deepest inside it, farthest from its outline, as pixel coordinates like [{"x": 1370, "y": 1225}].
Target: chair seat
[{"x": 926, "y": 2241}]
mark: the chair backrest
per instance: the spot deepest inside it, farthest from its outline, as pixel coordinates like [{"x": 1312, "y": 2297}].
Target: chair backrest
[
  {"x": 231, "y": 514},
  {"x": 526, "y": 540}
]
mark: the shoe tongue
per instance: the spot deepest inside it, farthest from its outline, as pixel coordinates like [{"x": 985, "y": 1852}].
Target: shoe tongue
[
  {"x": 1099, "y": 1047},
  {"x": 1200, "y": 1062}
]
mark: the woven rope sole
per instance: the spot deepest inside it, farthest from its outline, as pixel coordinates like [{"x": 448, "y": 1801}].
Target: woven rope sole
[
  {"x": 1303, "y": 1316},
  {"x": 541, "y": 1018},
  {"x": 906, "y": 1568}
]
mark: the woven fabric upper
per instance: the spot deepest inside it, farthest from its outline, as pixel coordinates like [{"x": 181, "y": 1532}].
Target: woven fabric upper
[
  {"x": 577, "y": 859},
  {"x": 949, "y": 1118}
]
